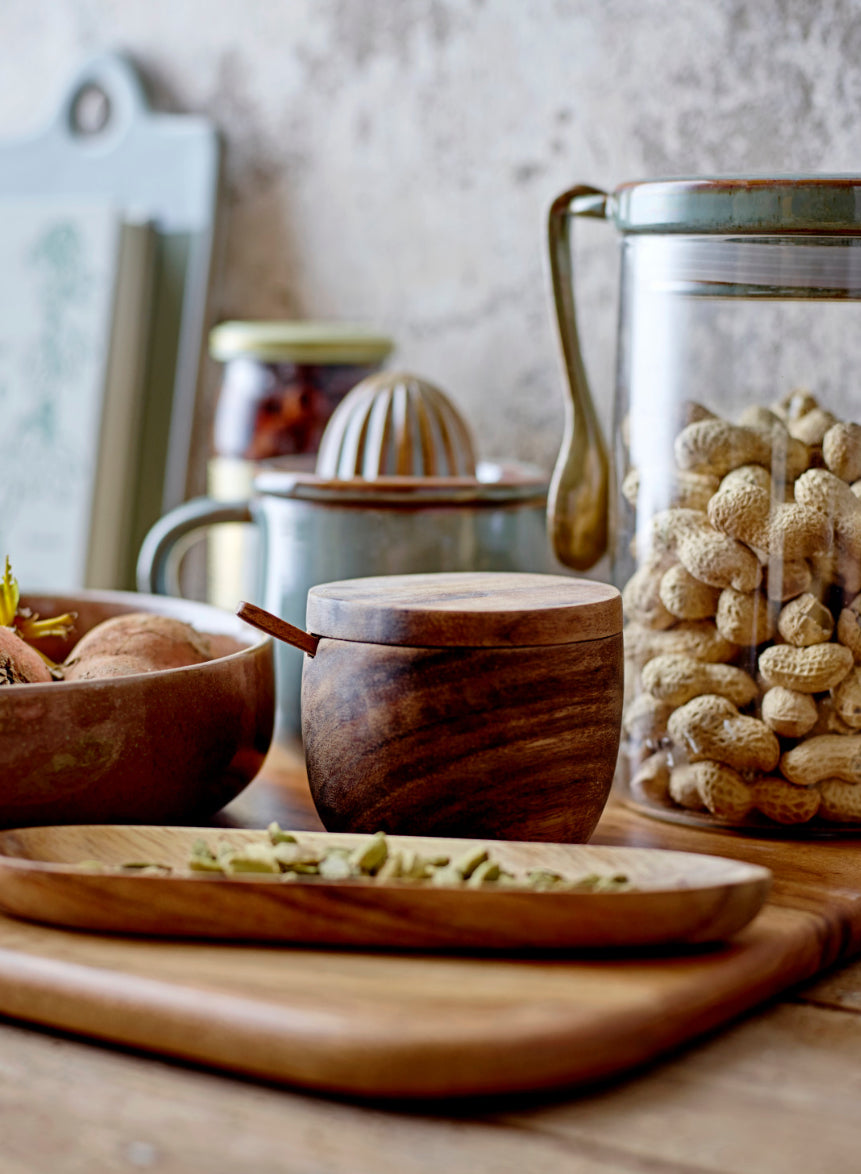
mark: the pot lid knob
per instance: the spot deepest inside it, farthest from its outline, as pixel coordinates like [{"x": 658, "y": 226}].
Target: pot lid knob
[{"x": 395, "y": 424}]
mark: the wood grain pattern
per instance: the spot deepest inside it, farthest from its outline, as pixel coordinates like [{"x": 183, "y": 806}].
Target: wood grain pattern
[
  {"x": 516, "y": 743},
  {"x": 773, "y": 1094},
  {"x": 677, "y": 898},
  {"x": 394, "y": 1024},
  {"x": 383, "y": 1024},
  {"x": 170, "y": 746},
  {"x": 777, "y": 1094},
  {"x": 493, "y": 609}
]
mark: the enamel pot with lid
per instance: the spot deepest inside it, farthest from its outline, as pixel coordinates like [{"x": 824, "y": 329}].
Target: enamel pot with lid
[{"x": 396, "y": 490}]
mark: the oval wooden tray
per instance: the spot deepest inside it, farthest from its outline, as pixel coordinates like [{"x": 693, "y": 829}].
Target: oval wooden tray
[{"x": 679, "y": 897}]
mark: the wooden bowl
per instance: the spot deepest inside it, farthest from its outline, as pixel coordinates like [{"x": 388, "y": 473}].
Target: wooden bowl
[
  {"x": 479, "y": 705},
  {"x": 164, "y": 747}
]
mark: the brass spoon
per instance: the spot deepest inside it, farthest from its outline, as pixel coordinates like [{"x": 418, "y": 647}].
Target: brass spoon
[{"x": 578, "y": 504}]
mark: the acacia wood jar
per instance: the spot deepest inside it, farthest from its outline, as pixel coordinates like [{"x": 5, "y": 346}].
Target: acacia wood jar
[{"x": 473, "y": 704}]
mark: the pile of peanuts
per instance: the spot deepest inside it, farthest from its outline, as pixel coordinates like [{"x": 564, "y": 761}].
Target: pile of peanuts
[{"x": 743, "y": 621}]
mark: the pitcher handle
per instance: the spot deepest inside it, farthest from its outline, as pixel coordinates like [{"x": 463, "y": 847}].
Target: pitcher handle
[
  {"x": 163, "y": 546},
  {"x": 578, "y": 503}
]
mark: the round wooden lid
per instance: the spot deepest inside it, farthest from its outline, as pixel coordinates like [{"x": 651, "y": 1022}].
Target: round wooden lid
[{"x": 473, "y": 609}]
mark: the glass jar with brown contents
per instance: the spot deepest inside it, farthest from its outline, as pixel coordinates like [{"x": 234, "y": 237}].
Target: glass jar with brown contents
[{"x": 281, "y": 383}]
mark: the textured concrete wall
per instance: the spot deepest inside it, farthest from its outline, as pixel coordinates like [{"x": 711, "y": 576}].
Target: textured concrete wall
[{"x": 392, "y": 160}]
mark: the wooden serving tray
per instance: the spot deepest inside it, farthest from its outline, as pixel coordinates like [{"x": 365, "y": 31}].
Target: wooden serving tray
[
  {"x": 432, "y": 1025},
  {"x": 674, "y": 898}
]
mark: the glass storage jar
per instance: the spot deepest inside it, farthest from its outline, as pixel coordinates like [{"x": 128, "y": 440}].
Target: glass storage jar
[
  {"x": 733, "y": 493},
  {"x": 281, "y": 382}
]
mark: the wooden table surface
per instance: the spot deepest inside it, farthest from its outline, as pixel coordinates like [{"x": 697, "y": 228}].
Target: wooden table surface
[{"x": 777, "y": 1091}]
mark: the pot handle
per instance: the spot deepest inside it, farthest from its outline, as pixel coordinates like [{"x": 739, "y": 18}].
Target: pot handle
[
  {"x": 165, "y": 543},
  {"x": 578, "y": 500}
]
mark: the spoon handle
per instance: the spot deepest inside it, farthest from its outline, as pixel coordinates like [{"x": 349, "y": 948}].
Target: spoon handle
[
  {"x": 578, "y": 505},
  {"x": 280, "y": 629}
]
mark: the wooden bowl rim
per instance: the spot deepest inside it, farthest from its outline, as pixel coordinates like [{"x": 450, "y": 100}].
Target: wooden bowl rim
[{"x": 191, "y": 611}]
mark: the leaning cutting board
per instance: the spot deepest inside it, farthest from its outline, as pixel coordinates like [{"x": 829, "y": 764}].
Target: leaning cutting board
[
  {"x": 376, "y": 1023},
  {"x": 104, "y": 147}
]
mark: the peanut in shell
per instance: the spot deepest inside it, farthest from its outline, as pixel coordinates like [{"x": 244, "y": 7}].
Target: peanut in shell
[
  {"x": 788, "y": 713},
  {"x": 824, "y": 756},
  {"x": 746, "y": 512},
  {"x": 746, "y": 619},
  {"x": 805, "y": 621},
  {"x": 849, "y": 628},
  {"x": 715, "y": 446},
  {"x": 806, "y": 670},
  {"x": 641, "y": 595},
  {"x": 847, "y": 699},
  {"x": 684, "y": 786},
  {"x": 710, "y": 727},
  {"x": 783, "y": 803},
  {"x": 841, "y": 450},
  {"x": 839, "y": 801},
  {"x": 677, "y": 679},
  {"x": 716, "y": 559},
  {"x": 724, "y": 791},
  {"x": 650, "y": 783},
  {"x": 685, "y": 597},
  {"x": 698, "y": 639}
]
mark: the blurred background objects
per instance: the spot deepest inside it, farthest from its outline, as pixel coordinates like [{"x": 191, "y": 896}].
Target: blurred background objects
[{"x": 391, "y": 163}]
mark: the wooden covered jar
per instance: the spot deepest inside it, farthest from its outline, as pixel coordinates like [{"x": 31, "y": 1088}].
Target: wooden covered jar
[{"x": 475, "y": 704}]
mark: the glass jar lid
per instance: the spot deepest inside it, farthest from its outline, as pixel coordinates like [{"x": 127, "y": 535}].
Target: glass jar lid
[
  {"x": 780, "y": 204},
  {"x": 296, "y": 341}
]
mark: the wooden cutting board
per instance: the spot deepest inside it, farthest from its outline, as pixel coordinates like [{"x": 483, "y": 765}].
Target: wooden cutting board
[
  {"x": 105, "y": 142},
  {"x": 420, "y": 1025}
]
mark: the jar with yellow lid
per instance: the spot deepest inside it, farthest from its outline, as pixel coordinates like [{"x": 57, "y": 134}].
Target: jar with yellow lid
[{"x": 281, "y": 382}]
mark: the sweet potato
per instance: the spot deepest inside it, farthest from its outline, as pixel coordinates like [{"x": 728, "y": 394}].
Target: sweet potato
[
  {"x": 135, "y": 643},
  {"x": 92, "y": 668},
  {"x": 19, "y": 663}
]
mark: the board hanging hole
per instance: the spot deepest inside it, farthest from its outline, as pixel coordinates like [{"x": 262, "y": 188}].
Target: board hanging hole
[{"x": 90, "y": 111}]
